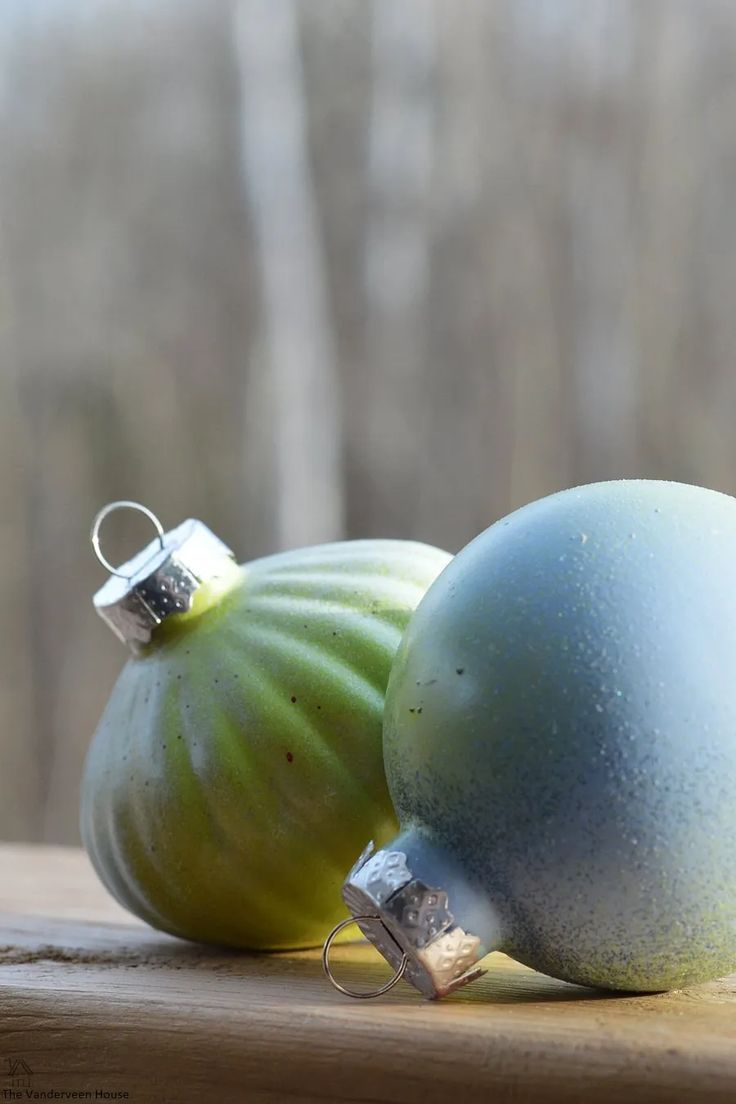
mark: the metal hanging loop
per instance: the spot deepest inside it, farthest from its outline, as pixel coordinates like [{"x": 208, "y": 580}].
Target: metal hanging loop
[
  {"x": 109, "y": 509},
  {"x": 352, "y": 992}
]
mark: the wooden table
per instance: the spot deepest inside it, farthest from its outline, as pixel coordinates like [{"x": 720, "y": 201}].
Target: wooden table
[{"x": 94, "y": 1002}]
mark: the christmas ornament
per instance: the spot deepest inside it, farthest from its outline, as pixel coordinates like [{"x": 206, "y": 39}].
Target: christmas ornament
[
  {"x": 560, "y": 744},
  {"x": 238, "y": 765}
]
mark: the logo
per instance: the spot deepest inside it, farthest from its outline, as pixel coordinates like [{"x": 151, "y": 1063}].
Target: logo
[
  {"x": 17, "y": 1073},
  {"x": 16, "y": 1079}
]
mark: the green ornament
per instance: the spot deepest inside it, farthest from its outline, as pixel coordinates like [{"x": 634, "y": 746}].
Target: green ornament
[{"x": 238, "y": 767}]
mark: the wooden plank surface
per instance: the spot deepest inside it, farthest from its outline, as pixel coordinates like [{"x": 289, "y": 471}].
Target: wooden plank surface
[{"x": 93, "y": 1001}]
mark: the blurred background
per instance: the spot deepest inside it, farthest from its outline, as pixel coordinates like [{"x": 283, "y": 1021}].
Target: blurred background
[{"x": 338, "y": 268}]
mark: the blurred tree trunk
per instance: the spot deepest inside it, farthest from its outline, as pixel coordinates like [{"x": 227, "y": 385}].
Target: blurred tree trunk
[
  {"x": 369, "y": 268},
  {"x": 298, "y": 346},
  {"x": 397, "y": 255}
]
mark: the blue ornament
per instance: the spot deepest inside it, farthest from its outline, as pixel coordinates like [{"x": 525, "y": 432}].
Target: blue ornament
[{"x": 560, "y": 744}]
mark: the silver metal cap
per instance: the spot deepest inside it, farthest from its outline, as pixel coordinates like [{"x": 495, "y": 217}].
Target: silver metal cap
[
  {"x": 416, "y": 924},
  {"x": 161, "y": 580}
]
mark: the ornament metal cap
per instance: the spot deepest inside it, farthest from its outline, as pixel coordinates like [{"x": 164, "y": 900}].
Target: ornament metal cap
[
  {"x": 161, "y": 580},
  {"x": 410, "y": 923}
]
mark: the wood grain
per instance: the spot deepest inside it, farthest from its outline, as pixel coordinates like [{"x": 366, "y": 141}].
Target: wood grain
[{"x": 92, "y": 1000}]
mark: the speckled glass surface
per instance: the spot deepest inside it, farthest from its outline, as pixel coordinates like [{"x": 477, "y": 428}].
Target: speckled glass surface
[{"x": 561, "y": 718}]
